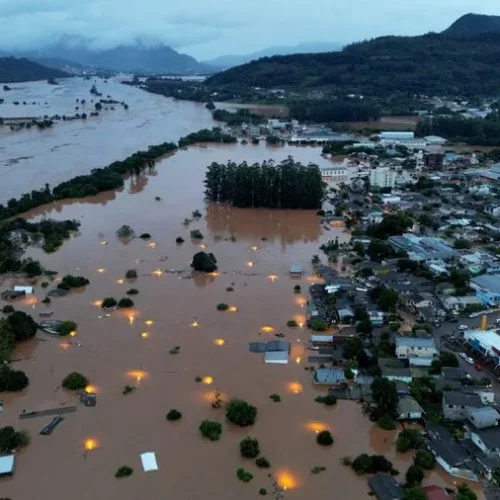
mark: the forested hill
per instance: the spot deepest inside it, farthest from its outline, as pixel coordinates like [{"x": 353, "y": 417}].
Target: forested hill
[
  {"x": 474, "y": 24},
  {"x": 429, "y": 64},
  {"x": 14, "y": 70}
]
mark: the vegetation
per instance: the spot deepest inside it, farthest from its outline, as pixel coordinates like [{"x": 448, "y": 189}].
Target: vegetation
[
  {"x": 132, "y": 291},
  {"x": 125, "y": 303},
  {"x": 211, "y": 430},
  {"x": 319, "y": 325},
  {"x": 249, "y": 447},
  {"x": 292, "y": 323},
  {"x": 465, "y": 493},
  {"x": 241, "y": 413},
  {"x": 75, "y": 381},
  {"x": 371, "y": 464},
  {"x": 196, "y": 234},
  {"x": 328, "y": 400},
  {"x": 244, "y": 476},
  {"x": 297, "y": 289},
  {"x": 108, "y": 302},
  {"x": 131, "y": 274},
  {"x": 337, "y": 110},
  {"x": 21, "y": 324},
  {"x": 175, "y": 350},
  {"x": 179, "y": 240},
  {"x": 415, "y": 493},
  {"x": 324, "y": 438},
  {"x": 385, "y": 396},
  {"x": 387, "y": 423},
  {"x": 69, "y": 282},
  {"x": 12, "y": 380},
  {"x": 409, "y": 439},
  {"x": 263, "y": 492},
  {"x": 288, "y": 184},
  {"x": 128, "y": 389},
  {"x": 262, "y": 463},
  {"x": 222, "y": 306},
  {"x": 318, "y": 469},
  {"x": 65, "y": 328},
  {"x": 204, "y": 262},
  {"x": 205, "y": 135},
  {"x": 8, "y": 309},
  {"x": 173, "y": 415},
  {"x": 11, "y": 440},
  {"x": 275, "y": 397},
  {"x": 145, "y": 236},
  {"x": 238, "y": 118},
  {"x": 424, "y": 459},
  {"x": 414, "y": 475},
  {"x": 124, "y": 471},
  {"x": 125, "y": 232}
]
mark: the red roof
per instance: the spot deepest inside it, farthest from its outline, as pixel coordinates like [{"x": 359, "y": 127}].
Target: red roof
[{"x": 436, "y": 493}]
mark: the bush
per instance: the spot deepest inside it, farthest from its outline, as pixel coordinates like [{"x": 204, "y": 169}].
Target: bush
[
  {"x": 65, "y": 328},
  {"x": 319, "y": 325},
  {"x": 409, "y": 439},
  {"x": 204, "y": 262},
  {"x": 128, "y": 389},
  {"x": 10, "y": 439},
  {"x": 125, "y": 303},
  {"x": 196, "y": 214},
  {"x": 196, "y": 234},
  {"x": 275, "y": 397},
  {"x": 222, "y": 307},
  {"x": 244, "y": 476},
  {"x": 145, "y": 236},
  {"x": 249, "y": 447},
  {"x": 131, "y": 274},
  {"x": 415, "y": 493},
  {"x": 132, "y": 291},
  {"x": 263, "y": 463},
  {"x": 328, "y": 400},
  {"x": 387, "y": 423},
  {"x": 44, "y": 284},
  {"x": 124, "y": 471},
  {"x": 229, "y": 289},
  {"x": 424, "y": 459},
  {"x": 292, "y": 323},
  {"x": 366, "y": 464},
  {"x": 125, "y": 232},
  {"x": 8, "y": 309},
  {"x": 263, "y": 492},
  {"x": 75, "y": 381},
  {"x": 211, "y": 430},
  {"x": 297, "y": 288},
  {"x": 317, "y": 469},
  {"x": 414, "y": 475},
  {"x": 46, "y": 300},
  {"x": 69, "y": 282},
  {"x": 12, "y": 380},
  {"x": 179, "y": 240},
  {"x": 324, "y": 438},
  {"x": 348, "y": 373},
  {"x": 173, "y": 415},
  {"x": 241, "y": 413},
  {"x": 108, "y": 302}
]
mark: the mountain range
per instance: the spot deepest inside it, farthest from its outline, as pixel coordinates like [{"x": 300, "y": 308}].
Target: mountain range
[
  {"x": 229, "y": 61},
  {"x": 14, "y": 70}
]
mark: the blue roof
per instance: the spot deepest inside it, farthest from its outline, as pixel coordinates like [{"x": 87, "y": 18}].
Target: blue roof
[{"x": 490, "y": 282}]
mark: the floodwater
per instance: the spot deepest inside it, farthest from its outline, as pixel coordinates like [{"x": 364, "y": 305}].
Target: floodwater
[
  {"x": 254, "y": 249},
  {"x": 72, "y": 148}
]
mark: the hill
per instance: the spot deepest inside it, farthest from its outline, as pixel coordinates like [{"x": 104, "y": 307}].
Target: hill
[
  {"x": 474, "y": 24},
  {"x": 433, "y": 64},
  {"x": 229, "y": 61},
  {"x": 14, "y": 70}
]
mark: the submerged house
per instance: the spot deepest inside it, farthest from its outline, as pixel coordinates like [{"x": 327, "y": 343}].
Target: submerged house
[
  {"x": 329, "y": 376},
  {"x": 7, "y": 464},
  {"x": 385, "y": 487}
]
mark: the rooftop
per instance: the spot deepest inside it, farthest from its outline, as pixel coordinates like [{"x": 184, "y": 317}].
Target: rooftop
[
  {"x": 415, "y": 342},
  {"x": 386, "y": 487},
  {"x": 7, "y": 465},
  {"x": 489, "y": 281},
  {"x": 490, "y": 437},
  {"x": 461, "y": 399}
]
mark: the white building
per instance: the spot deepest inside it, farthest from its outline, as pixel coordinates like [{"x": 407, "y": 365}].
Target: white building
[
  {"x": 334, "y": 175},
  {"x": 382, "y": 177},
  {"x": 409, "y": 347},
  {"x": 396, "y": 136}
]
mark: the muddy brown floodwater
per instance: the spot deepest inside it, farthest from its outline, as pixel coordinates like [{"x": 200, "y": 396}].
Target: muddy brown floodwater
[{"x": 132, "y": 347}]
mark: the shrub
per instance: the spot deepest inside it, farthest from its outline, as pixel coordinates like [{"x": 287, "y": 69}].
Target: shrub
[
  {"x": 328, "y": 400},
  {"x": 108, "y": 302},
  {"x": 319, "y": 325},
  {"x": 65, "y": 328},
  {"x": 244, "y": 476},
  {"x": 409, "y": 439},
  {"x": 44, "y": 284},
  {"x": 196, "y": 234},
  {"x": 131, "y": 274},
  {"x": 125, "y": 303},
  {"x": 348, "y": 373},
  {"x": 297, "y": 288},
  {"x": 124, "y": 471},
  {"x": 8, "y": 309},
  {"x": 196, "y": 214},
  {"x": 414, "y": 475},
  {"x": 241, "y": 413},
  {"x": 173, "y": 415},
  {"x": 317, "y": 469},
  {"x": 222, "y": 306},
  {"x": 292, "y": 323},
  {"x": 263, "y": 492},
  {"x": 366, "y": 464},
  {"x": 12, "y": 380},
  {"x": 211, "y": 430},
  {"x": 145, "y": 236},
  {"x": 157, "y": 198},
  {"x": 249, "y": 447},
  {"x": 198, "y": 378},
  {"x": 229, "y": 289},
  {"x": 275, "y": 397},
  {"x": 424, "y": 459},
  {"x": 204, "y": 262},
  {"x": 128, "y": 389},
  {"x": 263, "y": 463},
  {"x": 179, "y": 240},
  {"x": 387, "y": 423},
  {"x": 10, "y": 439},
  {"x": 46, "y": 300},
  {"x": 324, "y": 438},
  {"x": 75, "y": 381},
  {"x": 132, "y": 291},
  {"x": 175, "y": 350},
  {"x": 125, "y": 232},
  {"x": 69, "y": 282}
]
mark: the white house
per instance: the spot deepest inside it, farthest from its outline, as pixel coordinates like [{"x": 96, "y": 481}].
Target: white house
[
  {"x": 487, "y": 440},
  {"x": 382, "y": 177},
  {"x": 408, "y": 347}
]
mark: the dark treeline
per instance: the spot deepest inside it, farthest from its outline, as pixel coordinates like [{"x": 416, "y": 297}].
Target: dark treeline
[
  {"x": 238, "y": 118},
  {"x": 205, "y": 135},
  {"x": 334, "y": 111},
  {"x": 476, "y": 131},
  {"x": 288, "y": 184}
]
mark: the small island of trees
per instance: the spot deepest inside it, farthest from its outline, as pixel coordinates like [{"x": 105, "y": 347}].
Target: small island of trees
[{"x": 288, "y": 184}]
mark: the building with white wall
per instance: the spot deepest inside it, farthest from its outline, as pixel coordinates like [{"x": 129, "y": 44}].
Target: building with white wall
[
  {"x": 334, "y": 175},
  {"x": 382, "y": 177}
]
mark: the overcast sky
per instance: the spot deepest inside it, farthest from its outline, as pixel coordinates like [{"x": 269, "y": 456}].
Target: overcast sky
[{"x": 208, "y": 28}]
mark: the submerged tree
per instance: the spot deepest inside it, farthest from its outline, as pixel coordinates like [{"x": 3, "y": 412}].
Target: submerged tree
[{"x": 204, "y": 262}]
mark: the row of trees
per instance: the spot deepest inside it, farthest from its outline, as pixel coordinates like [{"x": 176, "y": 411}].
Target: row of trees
[
  {"x": 206, "y": 135},
  {"x": 322, "y": 111},
  {"x": 238, "y": 118},
  {"x": 288, "y": 184}
]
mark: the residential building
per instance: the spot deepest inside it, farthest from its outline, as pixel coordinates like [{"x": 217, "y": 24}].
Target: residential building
[
  {"x": 487, "y": 440},
  {"x": 395, "y": 369},
  {"x": 391, "y": 199},
  {"x": 484, "y": 417},
  {"x": 487, "y": 342},
  {"x": 435, "y": 140},
  {"x": 382, "y": 177},
  {"x": 457, "y": 405},
  {"x": 487, "y": 288},
  {"x": 329, "y": 376},
  {"x": 492, "y": 210},
  {"x": 7, "y": 464},
  {"x": 408, "y": 347},
  {"x": 385, "y": 487},
  {"x": 396, "y": 135},
  {"x": 409, "y": 409},
  {"x": 334, "y": 175}
]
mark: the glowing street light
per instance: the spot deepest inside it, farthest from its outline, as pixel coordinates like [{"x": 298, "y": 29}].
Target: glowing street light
[
  {"x": 120, "y": 281},
  {"x": 219, "y": 342},
  {"x": 101, "y": 270},
  {"x": 90, "y": 444},
  {"x": 149, "y": 322},
  {"x": 158, "y": 272},
  {"x": 255, "y": 248},
  {"x": 208, "y": 380},
  {"x": 273, "y": 277},
  {"x": 233, "y": 309},
  {"x": 250, "y": 263},
  {"x": 145, "y": 335}
]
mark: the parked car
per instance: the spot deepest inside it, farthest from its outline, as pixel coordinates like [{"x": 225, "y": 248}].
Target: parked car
[
  {"x": 462, "y": 355},
  {"x": 478, "y": 367},
  {"x": 463, "y": 327},
  {"x": 469, "y": 360}
]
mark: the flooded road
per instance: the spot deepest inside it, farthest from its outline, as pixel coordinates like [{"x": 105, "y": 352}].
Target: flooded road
[{"x": 69, "y": 149}]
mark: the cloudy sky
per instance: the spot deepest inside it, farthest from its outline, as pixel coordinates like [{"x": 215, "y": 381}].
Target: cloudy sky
[{"x": 208, "y": 28}]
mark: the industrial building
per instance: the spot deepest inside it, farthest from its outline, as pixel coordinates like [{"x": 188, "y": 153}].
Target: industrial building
[
  {"x": 487, "y": 342},
  {"x": 422, "y": 249},
  {"x": 487, "y": 288}
]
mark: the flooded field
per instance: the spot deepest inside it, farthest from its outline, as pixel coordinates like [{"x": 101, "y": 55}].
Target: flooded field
[{"x": 254, "y": 250}]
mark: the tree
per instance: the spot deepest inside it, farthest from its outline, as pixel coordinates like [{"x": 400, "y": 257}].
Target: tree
[
  {"x": 263, "y": 463},
  {"x": 173, "y": 415},
  {"x": 424, "y": 459},
  {"x": 391, "y": 225},
  {"x": 460, "y": 244},
  {"x": 125, "y": 232},
  {"x": 11, "y": 440},
  {"x": 108, "y": 302},
  {"x": 409, "y": 439},
  {"x": 241, "y": 413},
  {"x": 204, "y": 262},
  {"x": 75, "y": 381},
  {"x": 124, "y": 471},
  {"x": 364, "y": 327},
  {"x": 465, "y": 493},
  {"x": 414, "y": 475},
  {"x": 415, "y": 493},
  {"x": 385, "y": 396},
  {"x": 125, "y": 303},
  {"x": 388, "y": 300},
  {"x": 211, "y": 430},
  {"x": 22, "y": 324},
  {"x": 387, "y": 423},
  {"x": 66, "y": 328},
  {"x": 249, "y": 447},
  {"x": 324, "y": 438},
  {"x": 379, "y": 250},
  {"x": 319, "y": 325},
  {"x": 12, "y": 380},
  {"x": 460, "y": 279},
  {"x": 448, "y": 359}
]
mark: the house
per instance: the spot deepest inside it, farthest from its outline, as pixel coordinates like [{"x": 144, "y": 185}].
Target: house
[
  {"x": 376, "y": 318},
  {"x": 322, "y": 340},
  {"x": 487, "y": 288},
  {"x": 457, "y": 404},
  {"x": 386, "y": 487},
  {"x": 11, "y": 294},
  {"x": 493, "y": 209},
  {"x": 487, "y": 440},
  {"x": 409, "y": 347},
  {"x": 416, "y": 301},
  {"x": 409, "y": 409},
  {"x": 485, "y": 417},
  {"x": 395, "y": 369},
  {"x": 276, "y": 357},
  {"x": 7, "y": 464},
  {"x": 296, "y": 270},
  {"x": 329, "y": 376}
]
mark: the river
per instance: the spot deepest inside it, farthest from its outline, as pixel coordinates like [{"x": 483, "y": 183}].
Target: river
[{"x": 254, "y": 249}]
